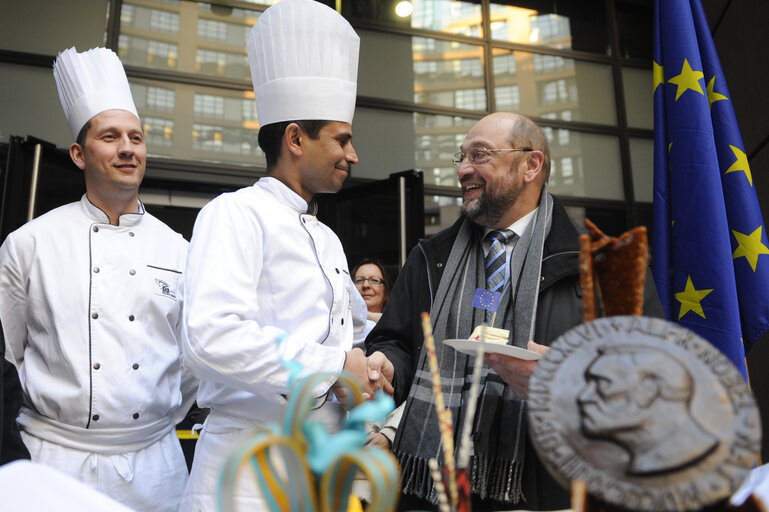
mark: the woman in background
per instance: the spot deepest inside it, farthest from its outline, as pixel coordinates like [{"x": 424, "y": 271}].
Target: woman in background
[{"x": 373, "y": 283}]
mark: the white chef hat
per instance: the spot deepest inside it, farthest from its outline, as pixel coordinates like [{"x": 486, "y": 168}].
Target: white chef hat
[
  {"x": 304, "y": 63},
  {"x": 90, "y": 83}
]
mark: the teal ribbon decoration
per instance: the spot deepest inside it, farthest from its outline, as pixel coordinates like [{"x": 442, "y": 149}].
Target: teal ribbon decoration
[{"x": 317, "y": 467}]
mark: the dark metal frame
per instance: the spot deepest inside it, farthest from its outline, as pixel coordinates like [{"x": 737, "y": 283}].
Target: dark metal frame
[{"x": 241, "y": 174}]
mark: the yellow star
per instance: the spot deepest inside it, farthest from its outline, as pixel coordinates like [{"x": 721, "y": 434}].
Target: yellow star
[
  {"x": 741, "y": 164},
  {"x": 659, "y": 76},
  {"x": 750, "y": 246},
  {"x": 714, "y": 96},
  {"x": 690, "y": 299},
  {"x": 688, "y": 79},
  {"x": 670, "y": 165}
]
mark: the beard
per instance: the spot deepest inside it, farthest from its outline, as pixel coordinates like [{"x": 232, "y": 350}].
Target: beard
[{"x": 489, "y": 208}]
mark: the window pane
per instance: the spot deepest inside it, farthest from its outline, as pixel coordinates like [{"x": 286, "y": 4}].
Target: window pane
[
  {"x": 441, "y": 212},
  {"x": 634, "y": 22},
  {"x": 198, "y": 123},
  {"x": 576, "y": 24},
  {"x": 158, "y": 132},
  {"x": 637, "y": 85},
  {"x": 154, "y": 98},
  {"x": 450, "y": 16},
  {"x": 553, "y": 87},
  {"x": 384, "y": 141},
  {"x": 422, "y": 69},
  {"x": 156, "y": 105},
  {"x": 584, "y": 164},
  {"x": 437, "y": 139},
  {"x": 642, "y": 164},
  {"x": 211, "y": 40},
  {"x": 448, "y": 73},
  {"x": 394, "y": 81}
]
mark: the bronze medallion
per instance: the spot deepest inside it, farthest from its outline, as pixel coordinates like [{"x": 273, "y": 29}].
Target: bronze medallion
[{"x": 650, "y": 415}]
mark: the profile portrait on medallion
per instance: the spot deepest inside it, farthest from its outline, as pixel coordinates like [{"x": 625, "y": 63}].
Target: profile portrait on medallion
[
  {"x": 648, "y": 414},
  {"x": 631, "y": 392}
]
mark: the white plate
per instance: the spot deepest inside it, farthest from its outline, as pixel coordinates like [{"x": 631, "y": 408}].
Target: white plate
[{"x": 471, "y": 348}]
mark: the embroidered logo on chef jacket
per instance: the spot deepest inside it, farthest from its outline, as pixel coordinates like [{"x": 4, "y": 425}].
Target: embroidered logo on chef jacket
[
  {"x": 165, "y": 281},
  {"x": 164, "y": 288}
]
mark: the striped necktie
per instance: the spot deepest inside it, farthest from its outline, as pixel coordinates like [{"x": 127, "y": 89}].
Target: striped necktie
[{"x": 496, "y": 258}]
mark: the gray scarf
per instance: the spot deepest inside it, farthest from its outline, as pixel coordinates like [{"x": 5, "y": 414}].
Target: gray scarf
[{"x": 499, "y": 428}]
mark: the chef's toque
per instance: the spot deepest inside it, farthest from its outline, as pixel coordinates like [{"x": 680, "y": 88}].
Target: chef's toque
[
  {"x": 90, "y": 83},
  {"x": 304, "y": 63}
]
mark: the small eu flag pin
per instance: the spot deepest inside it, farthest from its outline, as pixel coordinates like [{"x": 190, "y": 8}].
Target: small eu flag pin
[{"x": 486, "y": 299}]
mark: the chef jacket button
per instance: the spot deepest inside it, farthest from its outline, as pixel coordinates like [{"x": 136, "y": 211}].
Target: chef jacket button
[
  {"x": 96, "y": 270},
  {"x": 135, "y": 366},
  {"x": 95, "y": 417},
  {"x": 131, "y": 318},
  {"x": 136, "y": 415},
  {"x": 96, "y": 366},
  {"x": 132, "y": 272},
  {"x": 337, "y": 270},
  {"x": 342, "y": 321},
  {"x": 130, "y": 233},
  {"x": 96, "y": 229},
  {"x": 94, "y": 315}
]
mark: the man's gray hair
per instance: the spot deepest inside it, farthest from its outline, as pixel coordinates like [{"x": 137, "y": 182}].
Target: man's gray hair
[{"x": 526, "y": 134}]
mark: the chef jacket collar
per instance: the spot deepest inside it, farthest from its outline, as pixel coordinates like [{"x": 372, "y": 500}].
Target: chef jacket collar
[
  {"x": 284, "y": 194},
  {"x": 97, "y": 214}
]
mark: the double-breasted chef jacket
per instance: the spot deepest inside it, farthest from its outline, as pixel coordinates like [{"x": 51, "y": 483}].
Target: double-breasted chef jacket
[{"x": 91, "y": 314}]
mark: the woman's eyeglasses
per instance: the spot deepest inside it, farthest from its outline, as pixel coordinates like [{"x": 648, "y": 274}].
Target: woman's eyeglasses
[{"x": 373, "y": 281}]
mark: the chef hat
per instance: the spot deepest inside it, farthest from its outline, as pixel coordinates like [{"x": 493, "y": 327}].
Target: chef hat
[
  {"x": 90, "y": 83},
  {"x": 304, "y": 63}
]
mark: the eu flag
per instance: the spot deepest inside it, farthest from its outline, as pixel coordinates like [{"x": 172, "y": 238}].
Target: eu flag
[
  {"x": 711, "y": 257},
  {"x": 486, "y": 299}
]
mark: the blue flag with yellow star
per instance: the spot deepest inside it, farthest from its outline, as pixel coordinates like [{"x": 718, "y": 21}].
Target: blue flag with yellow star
[
  {"x": 486, "y": 299},
  {"x": 711, "y": 257}
]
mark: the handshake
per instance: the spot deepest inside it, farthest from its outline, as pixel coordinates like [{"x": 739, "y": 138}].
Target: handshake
[{"x": 374, "y": 373}]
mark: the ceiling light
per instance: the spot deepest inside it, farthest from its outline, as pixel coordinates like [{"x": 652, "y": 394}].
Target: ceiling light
[{"x": 404, "y": 9}]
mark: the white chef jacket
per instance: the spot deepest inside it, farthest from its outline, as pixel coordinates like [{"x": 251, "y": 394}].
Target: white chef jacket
[
  {"x": 91, "y": 313},
  {"x": 260, "y": 267}
]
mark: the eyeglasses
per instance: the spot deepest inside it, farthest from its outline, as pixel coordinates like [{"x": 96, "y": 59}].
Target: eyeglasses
[
  {"x": 373, "y": 281},
  {"x": 480, "y": 156}
]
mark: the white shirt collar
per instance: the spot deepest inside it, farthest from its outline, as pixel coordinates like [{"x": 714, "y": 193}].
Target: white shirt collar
[
  {"x": 283, "y": 193},
  {"x": 95, "y": 213},
  {"x": 518, "y": 227}
]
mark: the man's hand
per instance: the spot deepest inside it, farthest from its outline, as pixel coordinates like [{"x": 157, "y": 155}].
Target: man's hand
[
  {"x": 380, "y": 372},
  {"x": 378, "y": 439},
  {"x": 515, "y": 372},
  {"x": 356, "y": 364},
  {"x": 373, "y": 373}
]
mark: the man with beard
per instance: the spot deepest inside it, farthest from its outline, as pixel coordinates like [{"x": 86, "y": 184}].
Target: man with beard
[{"x": 516, "y": 239}]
